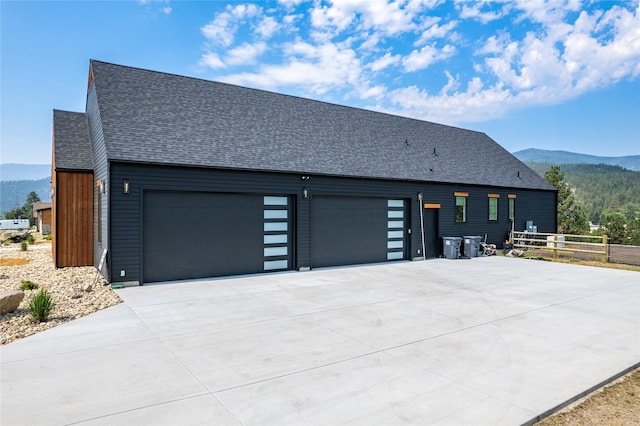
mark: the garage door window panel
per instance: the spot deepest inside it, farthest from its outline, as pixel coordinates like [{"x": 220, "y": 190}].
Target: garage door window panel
[{"x": 276, "y": 230}]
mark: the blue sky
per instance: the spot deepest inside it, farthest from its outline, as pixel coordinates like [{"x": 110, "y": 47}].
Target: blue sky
[{"x": 556, "y": 74}]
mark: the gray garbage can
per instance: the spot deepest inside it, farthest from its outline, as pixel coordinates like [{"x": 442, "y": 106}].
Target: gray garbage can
[
  {"x": 451, "y": 247},
  {"x": 472, "y": 245}
]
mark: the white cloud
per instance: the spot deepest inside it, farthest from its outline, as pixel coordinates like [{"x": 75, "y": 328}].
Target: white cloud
[
  {"x": 334, "y": 17},
  {"x": 289, "y": 4},
  {"x": 318, "y": 69},
  {"x": 164, "y": 6},
  {"x": 348, "y": 48},
  {"x": 495, "y": 44},
  {"x": 566, "y": 59},
  {"x": 387, "y": 60},
  {"x": 383, "y": 16},
  {"x": 423, "y": 58},
  {"x": 291, "y": 19},
  {"x": 212, "y": 60},
  {"x": 473, "y": 11},
  {"x": 435, "y": 31},
  {"x": 245, "y": 53},
  {"x": 546, "y": 12},
  {"x": 221, "y": 30},
  {"x": 452, "y": 84},
  {"x": 267, "y": 27},
  {"x": 370, "y": 41},
  {"x": 467, "y": 106}
]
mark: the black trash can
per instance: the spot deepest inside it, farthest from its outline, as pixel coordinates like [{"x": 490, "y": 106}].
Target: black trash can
[
  {"x": 451, "y": 247},
  {"x": 472, "y": 245}
]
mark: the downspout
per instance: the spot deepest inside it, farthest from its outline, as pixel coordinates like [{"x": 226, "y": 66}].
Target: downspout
[{"x": 424, "y": 253}]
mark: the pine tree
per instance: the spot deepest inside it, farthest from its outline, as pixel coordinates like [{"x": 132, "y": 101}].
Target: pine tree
[{"x": 571, "y": 218}]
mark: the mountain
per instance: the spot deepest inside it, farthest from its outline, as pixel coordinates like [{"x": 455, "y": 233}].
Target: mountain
[
  {"x": 600, "y": 187},
  {"x": 15, "y": 192},
  {"x": 630, "y": 162},
  {"x": 12, "y": 171}
]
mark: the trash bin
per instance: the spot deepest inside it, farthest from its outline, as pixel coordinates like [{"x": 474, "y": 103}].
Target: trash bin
[
  {"x": 472, "y": 245},
  {"x": 451, "y": 247}
]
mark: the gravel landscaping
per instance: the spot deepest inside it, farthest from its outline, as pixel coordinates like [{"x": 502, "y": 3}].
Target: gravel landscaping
[
  {"x": 616, "y": 404},
  {"x": 67, "y": 286}
]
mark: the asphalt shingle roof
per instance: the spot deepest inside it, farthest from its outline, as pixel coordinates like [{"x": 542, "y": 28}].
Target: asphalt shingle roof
[
  {"x": 154, "y": 117},
  {"x": 72, "y": 148}
]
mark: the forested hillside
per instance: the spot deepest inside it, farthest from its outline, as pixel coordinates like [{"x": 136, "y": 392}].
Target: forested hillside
[
  {"x": 601, "y": 188},
  {"x": 534, "y": 155},
  {"x": 14, "y": 192}
]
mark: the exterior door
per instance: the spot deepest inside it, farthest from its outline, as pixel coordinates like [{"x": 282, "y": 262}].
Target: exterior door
[{"x": 432, "y": 246}]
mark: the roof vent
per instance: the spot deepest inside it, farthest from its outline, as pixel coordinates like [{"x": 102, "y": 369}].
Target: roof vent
[
  {"x": 435, "y": 154},
  {"x": 406, "y": 142}
]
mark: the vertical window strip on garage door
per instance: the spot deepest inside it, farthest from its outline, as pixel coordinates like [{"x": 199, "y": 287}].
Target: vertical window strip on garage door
[
  {"x": 395, "y": 229},
  {"x": 276, "y": 231}
]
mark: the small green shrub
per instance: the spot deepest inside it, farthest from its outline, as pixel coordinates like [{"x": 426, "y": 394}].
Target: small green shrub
[
  {"x": 47, "y": 237},
  {"x": 28, "y": 285},
  {"x": 41, "y": 305},
  {"x": 23, "y": 246},
  {"x": 31, "y": 239}
]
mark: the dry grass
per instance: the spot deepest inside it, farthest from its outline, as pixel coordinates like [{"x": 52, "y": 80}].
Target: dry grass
[
  {"x": 601, "y": 264},
  {"x": 616, "y": 404},
  {"x": 544, "y": 255},
  {"x": 12, "y": 261}
]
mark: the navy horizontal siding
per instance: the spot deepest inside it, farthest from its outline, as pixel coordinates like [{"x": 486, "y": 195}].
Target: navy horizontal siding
[
  {"x": 100, "y": 172},
  {"x": 126, "y": 209}
]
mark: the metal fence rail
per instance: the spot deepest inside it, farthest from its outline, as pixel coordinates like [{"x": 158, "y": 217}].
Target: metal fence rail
[{"x": 561, "y": 243}]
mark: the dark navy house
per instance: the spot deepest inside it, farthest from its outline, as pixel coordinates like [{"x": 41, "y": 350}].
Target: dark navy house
[{"x": 167, "y": 177}]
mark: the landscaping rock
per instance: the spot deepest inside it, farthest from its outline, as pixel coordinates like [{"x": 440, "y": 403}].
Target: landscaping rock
[
  {"x": 10, "y": 300},
  {"x": 62, "y": 283}
]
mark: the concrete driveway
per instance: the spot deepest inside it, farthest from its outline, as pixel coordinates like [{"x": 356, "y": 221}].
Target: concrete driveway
[{"x": 481, "y": 341}]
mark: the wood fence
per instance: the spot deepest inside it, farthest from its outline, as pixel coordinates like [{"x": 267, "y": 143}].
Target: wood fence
[
  {"x": 590, "y": 246},
  {"x": 585, "y": 247},
  {"x": 629, "y": 255}
]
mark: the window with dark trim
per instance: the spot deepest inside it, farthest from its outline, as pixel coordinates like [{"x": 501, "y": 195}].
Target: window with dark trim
[
  {"x": 493, "y": 207},
  {"x": 461, "y": 207}
]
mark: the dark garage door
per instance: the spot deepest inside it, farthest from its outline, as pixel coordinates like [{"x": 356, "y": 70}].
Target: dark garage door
[
  {"x": 195, "y": 235},
  {"x": 352, "y": 230}
]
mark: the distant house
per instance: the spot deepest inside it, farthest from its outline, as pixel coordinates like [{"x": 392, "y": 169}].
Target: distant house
[
  {"x": 177, "y": 177},
  {"x": 42, "y": 214}
]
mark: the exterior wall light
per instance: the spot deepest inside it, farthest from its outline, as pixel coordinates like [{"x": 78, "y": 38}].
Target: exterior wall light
[
  {"x": 126, "y": 187},
  {"x": 305, "y": 193}
]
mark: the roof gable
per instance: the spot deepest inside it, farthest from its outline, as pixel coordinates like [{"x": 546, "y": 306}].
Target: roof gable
[
  {"x": 71, "y": 141},
  {"x": 154, "y": 117}
]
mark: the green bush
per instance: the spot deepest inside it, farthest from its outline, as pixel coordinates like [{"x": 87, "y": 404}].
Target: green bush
[
  {"x": 41, "y": 305},
  {"x": 47, "y": 237},
  {"x": 31, "y": 239},
  {"x": 23, "y": 246},
  {"x": 28, "y": 285}
]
